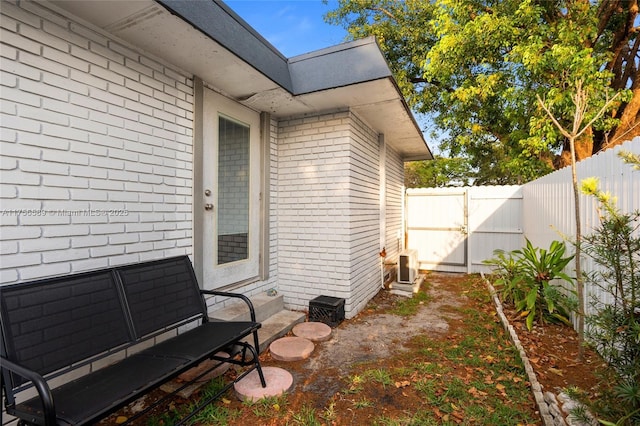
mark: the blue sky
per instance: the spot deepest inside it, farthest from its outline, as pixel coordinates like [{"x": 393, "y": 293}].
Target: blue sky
[{"x": 292, "y": 26}]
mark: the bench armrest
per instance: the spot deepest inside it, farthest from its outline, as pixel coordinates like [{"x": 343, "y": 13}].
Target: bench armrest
[
  {"x": 252, "y": 311},
  {"x": 44, "y": 392}
]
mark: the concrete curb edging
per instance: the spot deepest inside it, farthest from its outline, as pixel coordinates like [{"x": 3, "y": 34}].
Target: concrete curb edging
[{"x": 553, "y": 409}]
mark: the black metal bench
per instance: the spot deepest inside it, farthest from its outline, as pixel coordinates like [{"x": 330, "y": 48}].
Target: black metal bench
[{"x": 62, "y": 325}]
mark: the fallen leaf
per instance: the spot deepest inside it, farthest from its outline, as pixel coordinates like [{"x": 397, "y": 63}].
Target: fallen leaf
[
  {"x": 500, "y": 388},
  {"x": 556, "y": 371},
  {"x": 403, "y": 384},
  {"x": 226, "y": 401},
  {"x": 121, "y": 419}
]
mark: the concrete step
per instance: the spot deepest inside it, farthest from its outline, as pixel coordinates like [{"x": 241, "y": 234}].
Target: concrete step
[
  {"x": 276, "y": 321},
  {"x": 277, "y": 326},
  {"x": 265, "y": 306}
]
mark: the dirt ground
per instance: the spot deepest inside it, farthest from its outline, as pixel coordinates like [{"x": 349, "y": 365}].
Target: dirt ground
[{"x": 382, "y": 340}]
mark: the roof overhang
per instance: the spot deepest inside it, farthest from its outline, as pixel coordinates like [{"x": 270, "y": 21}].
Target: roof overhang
[{"x": 209, "y": 40}]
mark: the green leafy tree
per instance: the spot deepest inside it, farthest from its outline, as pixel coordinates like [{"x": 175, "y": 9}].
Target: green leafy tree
[
  {"x": 475, "y": 67},
  {"x": 439, "y": 172}
]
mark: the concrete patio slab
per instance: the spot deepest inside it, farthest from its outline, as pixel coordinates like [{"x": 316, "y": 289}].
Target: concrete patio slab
[
  {"x": 278, "y": 381},
  {"x": 314, "y": 331},
  {"x": 291, "y": 348}
]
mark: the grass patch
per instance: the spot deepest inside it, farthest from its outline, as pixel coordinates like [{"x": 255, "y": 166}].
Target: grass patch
[{"x": 408, "y": 307}]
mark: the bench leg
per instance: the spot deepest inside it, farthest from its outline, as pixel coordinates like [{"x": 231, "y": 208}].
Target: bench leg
[{"x": 256, "y": 345}]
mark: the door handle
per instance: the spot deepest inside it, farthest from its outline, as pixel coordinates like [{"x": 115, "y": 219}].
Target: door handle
[{"x": 208, "y": 206}]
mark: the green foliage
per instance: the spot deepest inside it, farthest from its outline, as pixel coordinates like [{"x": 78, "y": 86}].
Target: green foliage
[
  {"x": 524, "y": 278},
  {"x": 614, "y": 324},
  {"x": 474, "y": 68},
  {"x": 436, "y": 173}
]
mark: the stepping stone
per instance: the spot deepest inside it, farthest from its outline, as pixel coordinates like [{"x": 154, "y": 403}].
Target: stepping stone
[
  {"x": 291, "y": 348},
  {"x": 314, "y": 331},
  {"x": 278, "y": 381}
]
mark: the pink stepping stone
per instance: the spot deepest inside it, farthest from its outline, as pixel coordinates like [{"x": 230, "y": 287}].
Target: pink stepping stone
[
  {"x": 291, "y": 348},
  {"x": 314, "y": 331},
  {"x": 249, "y": 387}
]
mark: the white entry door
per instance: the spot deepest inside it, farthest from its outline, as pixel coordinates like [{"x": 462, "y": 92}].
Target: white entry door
[{"x": 231, "y": 181}]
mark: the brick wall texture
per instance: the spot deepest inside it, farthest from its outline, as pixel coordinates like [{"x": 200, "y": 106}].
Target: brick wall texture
[{"x": 96, "y": 149}]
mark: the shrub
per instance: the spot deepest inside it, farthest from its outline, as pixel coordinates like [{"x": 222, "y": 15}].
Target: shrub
[
  {"x": 524, "y": 278},
  {"x": 613, "y": 326}
]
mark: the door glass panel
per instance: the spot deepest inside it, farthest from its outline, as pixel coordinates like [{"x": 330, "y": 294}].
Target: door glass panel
[{"x": 233, "y": 191}]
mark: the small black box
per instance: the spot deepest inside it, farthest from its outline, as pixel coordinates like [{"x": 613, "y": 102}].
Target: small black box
[{"x": 327, "y": 309}]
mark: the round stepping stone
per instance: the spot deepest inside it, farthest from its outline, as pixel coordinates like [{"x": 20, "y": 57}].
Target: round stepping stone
[
  {"x": 291, "y": 348},
  {"x": 249, "y": 387},
  {"x": 314, "y": 331}
]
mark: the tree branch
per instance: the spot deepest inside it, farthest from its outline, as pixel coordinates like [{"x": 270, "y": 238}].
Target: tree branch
[{"x": 385, "y": 11}]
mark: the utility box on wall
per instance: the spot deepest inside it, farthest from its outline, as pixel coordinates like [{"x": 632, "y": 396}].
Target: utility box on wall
[{"x": 408, "y": 266}]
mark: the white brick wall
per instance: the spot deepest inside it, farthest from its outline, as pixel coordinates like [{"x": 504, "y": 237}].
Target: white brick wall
[
  {"x": 365, "y": 215},
  {"x": 394, "y": 203},
  {"x": 328, "y": 210},
  {"x": 96, "y": 149},
  {"x": 313, "y": 208}
]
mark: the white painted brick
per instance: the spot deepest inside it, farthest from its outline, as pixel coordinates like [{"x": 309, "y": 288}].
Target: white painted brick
[
  {"x": 43, "y": 63},
  {"x": 44, "y": 220},
  {"x": 8, "y": 191},
  {"x": 20, "y": 123},
  {"x": 70, "y": 255},
  {"x": 99, "y": 99},
  {"x": 41, "y": 167},
  {"x": 41, "y": 271},
  {"x": 20, "y": 42},
  {"x": 89, "y": 264},
  {"x": 123, "y": 92},
  {"x": 90, "y": 34},
  {"x": 75, "y": 231},
  {"x": 20, "y": 15},
  {"x": 43, "y": 38},
  {"x": 12, "y": 94},
  {"x": 55, "y": 130},
  {"x": 20, "y": 177},
  {"x": 42, "y": 193},
  {"x": 106, "y": 185},
  {"x": 88, "y": 79},
  {"x": 108, "y": 228},
  {"x": 123, "y": 133},
  {"x": 88, "y": 194},
  {"x": 44, "y": 244},
  {"x": 57, "y": 30},
  {"x": 111, "y": 251},
  {"x": 8, "y": 53},
  {"x": 8, "y": 276},
  {"x": 8, "y": 80},
  {"x": 105, "y": 50},
  {"x": 100, "y": 72},
  {"x": 53, "y": 117}
]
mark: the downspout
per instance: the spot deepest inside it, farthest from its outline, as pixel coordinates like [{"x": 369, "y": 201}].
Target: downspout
[{"x": 382, "y": 147}]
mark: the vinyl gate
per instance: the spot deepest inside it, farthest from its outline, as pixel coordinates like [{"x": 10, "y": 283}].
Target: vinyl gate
[{"x": 455, "y": 229}]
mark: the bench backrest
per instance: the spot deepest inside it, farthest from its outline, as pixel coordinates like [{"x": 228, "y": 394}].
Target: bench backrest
[
  {"x": 52, "y": 323},
  {"x": 161, "y": 293},
  {"x": 48, "y": 325}
]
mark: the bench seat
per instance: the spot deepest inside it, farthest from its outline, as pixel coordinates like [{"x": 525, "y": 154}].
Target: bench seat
[{"x": 68, "y": 322}]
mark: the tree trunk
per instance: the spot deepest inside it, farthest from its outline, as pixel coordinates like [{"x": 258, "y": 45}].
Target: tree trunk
[
  {"x": 583, "y": 149},
  {"x": 629, "y": 126}
]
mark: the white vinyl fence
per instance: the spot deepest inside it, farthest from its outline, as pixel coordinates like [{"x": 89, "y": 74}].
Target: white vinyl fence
[
  {"x": 549, "y": 212},
  {"x": 455, "y": 229}
]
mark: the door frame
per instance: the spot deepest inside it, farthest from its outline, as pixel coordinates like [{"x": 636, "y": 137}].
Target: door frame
[{"x": 199, "y": 199}]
